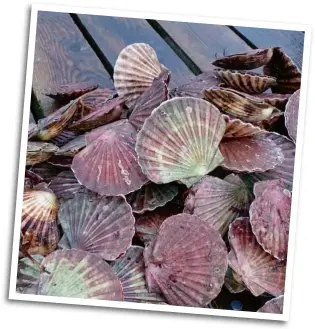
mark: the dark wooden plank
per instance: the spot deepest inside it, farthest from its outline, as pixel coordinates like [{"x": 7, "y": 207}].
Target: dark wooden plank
[
  {"x": 203, "y": 42},
  {"x": 112, "y": 34},
  {"x": 292, "y": 42},
  {"x": 62, "y": 55}
]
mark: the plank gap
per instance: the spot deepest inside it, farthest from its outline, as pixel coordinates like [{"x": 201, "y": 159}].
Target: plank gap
[
  {"x": 36, "y": 109},
  {"x": 242, "y": 36}
]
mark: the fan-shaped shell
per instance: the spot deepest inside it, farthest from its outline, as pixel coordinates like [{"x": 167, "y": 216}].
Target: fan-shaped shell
[
  {"x": 270, "y": 219},
  {"x": 151, "y": 196},
  {"x": 248, "y": 82},
  {"x": 108, "y": 164},
  {"x": 131, "y": 273},
  {"x": 98, "y": 224},
  {"x": 96, "y": 98},
  {"x": 240, "y": 105},
  {"x": 277, "y": 100},
  {"x": 39, "y": 152},
  {"x": 236, "y": 128},
  {"x": 46, "y": 171},
  {"x": 291, "y": 114},
  {"x": 78, "y": 274},
  {"x": 64, "y": 138},
  {"x": 274, "y": 306},
  {"x": 259, "y": 271},
  {"x": 179, "y": 141},
  {"x": 28, "y": 275},
  {"x": 135, "y": 69},
  {"x": 246, "y": 61},
  {"x": 72, "y": 147},
  {"x": 187, "y": 261},
  {"x": 39, "y": 220},
  {"x": 218, "y": 202}
]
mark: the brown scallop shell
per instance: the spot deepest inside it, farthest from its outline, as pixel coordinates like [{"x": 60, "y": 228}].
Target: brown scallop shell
[
  {"x": 277, "y": 100},
  {"x": 64, "y": 138},
  {"x": 39, "y": 152},
  {"x": 236, "y": 128},
  {"x": 291, "y": 114},
  {"x": 274, "y": 306}
]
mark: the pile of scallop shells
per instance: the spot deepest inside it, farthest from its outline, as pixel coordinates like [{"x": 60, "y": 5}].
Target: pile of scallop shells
[{"x": 154, "y": 194}]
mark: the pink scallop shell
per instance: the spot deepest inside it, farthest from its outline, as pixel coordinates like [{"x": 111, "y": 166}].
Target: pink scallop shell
[{"x": 291, "y": 114}]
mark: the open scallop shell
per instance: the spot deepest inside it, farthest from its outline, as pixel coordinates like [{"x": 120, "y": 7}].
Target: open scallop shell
[
  {"x": 32, "y": 130},
  {"x": 131, "y": 273},
  {"x": 39, "y": 152},
  {"x": 240, "y": 105},
  {"x": 179, "y": 141},
  {"x": 246, "y": 61},
  {"x": 274, "y": 306},
  {"x": 39, "y": 220},
  {"x": 291, "y": 114},
  {"x": 135, "y": 69},
  {"x": 151, "y": 196},
  {"x": 98, "y": 224},
  {"x": 259, "y": 271},
  {"x": 270, "y": 218},
  {"x": 149, "y": 100},
  {"x": 108, "y": 164},
  {"x": 277, "y": 100},
  {"x": 72, "y": 147},
  {"x": 248, "y": 82},
  {"x": 78, "y": 274},
  {"x": 236, "y": 128},
  {"x": 187, "y": 261},
  {"x": 218, "y": 202}
]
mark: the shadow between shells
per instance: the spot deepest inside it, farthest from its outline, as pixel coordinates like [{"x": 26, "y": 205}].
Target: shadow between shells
[{"x": 151, "y": 195}]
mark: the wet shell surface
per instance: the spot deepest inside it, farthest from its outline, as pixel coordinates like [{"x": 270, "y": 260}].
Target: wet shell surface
[
  {"x": 248, "y": 82},
  {"x": 73, "y": 147},
  {"x": 98, "y": 224},
  {"x": 39, "y": 220},
  {"x": 291, "y": 114},
  {"x": 270, "y": 218},
  {"x": 218, "y": 202},
  {"x": 135, "y": 69},
  {"x": 274, "y": 306},
  {"x": 151, "y": 196},
  {"x": 187, "y": 261},
  {"x": 131, "y": 273},
  {"x": 39, "y": 152},
  {"x": 259, "y": 271},
  {"x": 78, "y": 274},
  {"x": 179, "y": 141},
  {"x": 108, "y": 164}
]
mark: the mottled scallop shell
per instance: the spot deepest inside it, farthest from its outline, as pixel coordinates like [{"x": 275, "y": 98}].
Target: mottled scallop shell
[
  {"x": 240, "y": 105},
  {"x": 131, "y": 273},
  {"x": 187, "y": 261},
  {"x": 277, "y": 100},
  {"x": 46, "y": 171},
  {"x": 246, "y": 61},
  {"x": 32, "y": 178},
  {"x": 72, "y": 147},
  {"x": 64, "y": 138},
  {"x": 270, "y": 218},
  {"x": 291, "y": 114},
  {"x": 53, "y": 124},
  {"x": 248, "y": 82},
  {"x": 218, "y": 202},
  {"x": 258, "y": 270},
  {"x": 135, "y": 69},
  {"x": 149, "y": 100},
  {"x": 98, "y": 224},
  {"x": 236, "y": 128},
  {"x": 39, "y": 220},
  {"x": 39, "y": 152},
  {"x": 32, "y": 130},
  {"x": 28, "y": 275},
  {"x": 274, "y": 306},
  {"x": 78, "y": 274},
  {"x": 108, "y": 164},
  {"x": 151, "y": 196},
  {"x": 96, "y": 98},
  {"x": 179, "y": 141},
  {"x": 233, "y": 282}
]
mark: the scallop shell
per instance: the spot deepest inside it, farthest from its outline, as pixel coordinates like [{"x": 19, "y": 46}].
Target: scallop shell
[
  {"x": 98, "y": 224},
  {"x": 270, "y": 218},
  {"x": 151, "y": 196},
  {"x": 39, "y": 220},
  {"x": 259, "y": 271},
  {"x": 232, "y": 282},
  {"x": 218, "y": 202},
  {"x": 236, "y": 128},
  {"x": 39, "y": 152},
  {"x": 73, "y": 147},
  {"x": 28, "y": 275},
  {"x": 135, "y": 69},
  {"x": 148, "y": 101},
  {"x": 274, "y": 306},
  {"x": 32, "y": 130},
  {"x": 131, "y": 273},
  {"x": 46, "y": 171},
  {"x": 187, "y": 261},
  {"x": 291, "y": 114},
  {"x": 60, "y": 161},
  {"x": 246, "y": 61},
  {"x": 179, "y": 141},
  {"x": 240, "y": 105},
  {"x": 56, "y": 122},
  {"x": 33, "y": 178},
  {"x": 248, "y": 82},
  {"x": 65, "y": 137},
  {"x": 96, "y": 98},
  {"x": 64, "y": 243},
  {"x": 78, "y": 274},
  {"x": 108, "y": 164},
  {"x": 277, "y": 100}
]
